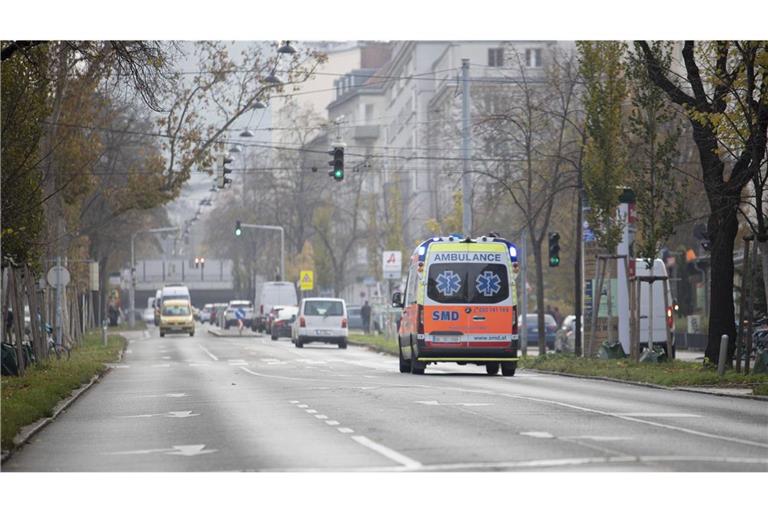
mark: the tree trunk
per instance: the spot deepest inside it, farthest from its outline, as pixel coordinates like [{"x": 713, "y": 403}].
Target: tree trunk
[
  {"x": 539, "y": 295},
  {"x": 764, "y": 262},
  {"x": 723, "y": 228}
]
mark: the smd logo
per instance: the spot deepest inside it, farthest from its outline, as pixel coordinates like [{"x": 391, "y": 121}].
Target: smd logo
[{"x": 445, "y": 315}]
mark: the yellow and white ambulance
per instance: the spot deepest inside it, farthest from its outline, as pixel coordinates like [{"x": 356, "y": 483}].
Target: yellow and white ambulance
[{"x": 460, "y": 305}]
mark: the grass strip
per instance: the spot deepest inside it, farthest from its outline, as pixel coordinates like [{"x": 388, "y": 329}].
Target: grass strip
[
  {"x": 32, "y": 397},
  {"x": 673, "y": 374},
  {"x": 138, "y": 326},
  {"x": 376, "y": 341}
]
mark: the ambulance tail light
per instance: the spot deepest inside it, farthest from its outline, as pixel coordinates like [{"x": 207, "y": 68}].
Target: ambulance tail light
[
  {"x": 343, "y": 323},
  {"x": 420, "y": 326},
  {"x": 302, "y": 322},
  {"x": 670, "y": 319},
  {"x": 514, "y": 319}
]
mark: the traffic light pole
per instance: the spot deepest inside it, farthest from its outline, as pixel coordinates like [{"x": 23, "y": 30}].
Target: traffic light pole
[
  {"x": 282, "y": 242},
  {"x": 466, "y": 185}
]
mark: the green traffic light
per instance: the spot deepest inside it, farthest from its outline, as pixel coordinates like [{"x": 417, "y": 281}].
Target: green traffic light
[
  {"x": 338, "y": 174},
  {"x": 554, "y": 261},
  {"x": 238, "y": 232}
]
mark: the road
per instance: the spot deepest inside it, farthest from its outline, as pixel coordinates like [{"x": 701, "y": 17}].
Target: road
[{"x": 206, "y": 403}]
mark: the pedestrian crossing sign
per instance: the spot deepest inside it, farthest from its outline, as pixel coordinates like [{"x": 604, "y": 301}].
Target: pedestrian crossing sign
[{"x": 306, "y": 280}]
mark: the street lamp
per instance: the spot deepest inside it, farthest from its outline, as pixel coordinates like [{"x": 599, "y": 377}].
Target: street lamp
[
  {"x": 286, "y": 48},
  {"x": 282, "y": 240},
  {"x": 132, "y": 289}
]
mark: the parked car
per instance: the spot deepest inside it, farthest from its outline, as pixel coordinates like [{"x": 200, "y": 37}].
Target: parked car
[
  {"x": 272, "y": 316},
  {"x": 281, "y": 325},
  {"x": 205, "y": 313},
  {"x": 532, "y": 324},
  {"x": 322, "y": 320},
  {"x": 272, "y": 293},
  {"x": 355, "y": 318},
  {"x": 565, "y": 338}
]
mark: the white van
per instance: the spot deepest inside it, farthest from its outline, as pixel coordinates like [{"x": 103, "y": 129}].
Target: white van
[
  {"x": 273, "y": 293},
  {"x": 321, "y": 319},
  {"x": 663, "y": 319}
]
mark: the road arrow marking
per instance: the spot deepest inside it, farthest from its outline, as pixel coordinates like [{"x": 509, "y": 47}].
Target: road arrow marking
[
  {"x": 186, "y": 450},
  {"x": 171, "y": 414},
  {"x": 388, "y": 452}
]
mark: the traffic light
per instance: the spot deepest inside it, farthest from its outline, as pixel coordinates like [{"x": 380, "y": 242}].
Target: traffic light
[
  {"x": 554, "y": 249},
  {"x": 238, "y": 229},
  {"x": 222, "y": 170},
  {"x": 337, "y": 164}
]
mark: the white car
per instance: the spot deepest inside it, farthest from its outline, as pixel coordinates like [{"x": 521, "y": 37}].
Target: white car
[
  {"x": 322, "y": 320},
  {"x": 205, "y": 313},
  {"x": 230, "y": 315}
]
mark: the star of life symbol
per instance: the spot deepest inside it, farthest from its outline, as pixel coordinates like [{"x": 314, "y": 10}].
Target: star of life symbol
[
  {"x": 488, "y": 283},
  {"x": 448, "y": 282}
]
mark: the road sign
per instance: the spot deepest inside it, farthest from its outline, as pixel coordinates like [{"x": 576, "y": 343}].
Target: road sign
[
  {"x": 392, "y": 262},
  {"x": 63, "y": 277},
  {"x": 306, "y": 280}
]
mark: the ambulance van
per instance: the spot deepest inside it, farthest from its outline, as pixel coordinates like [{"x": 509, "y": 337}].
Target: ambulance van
[{"x": 460, "y": 305}]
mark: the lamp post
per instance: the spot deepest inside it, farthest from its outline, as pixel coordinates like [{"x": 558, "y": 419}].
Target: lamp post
[{"x": 132, "y": 289}]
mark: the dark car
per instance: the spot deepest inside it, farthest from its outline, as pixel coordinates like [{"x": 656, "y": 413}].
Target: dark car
[
  {"x": 283, "y": 321},
  {"x": 355, "y": 318},
  {"x": 532, "y": 324}
]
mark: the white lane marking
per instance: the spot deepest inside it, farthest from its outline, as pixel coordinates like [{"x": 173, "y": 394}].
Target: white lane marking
[
  {"x": 599, "y": 438},
  {"x": 129, "y": 351},
  {"x": 167, "y": 395},
  {"x": 171, "y": 414},
  {"x": 540, "y": 435},
  {"x": 165, "y": 357},
  {"x": 321, "y": 416},
  {"x": 659, "y": 415},
  {"x": 186, "y": 450},
  {"x": 332, "y": 423},
  {"x": 310, "y": 411},
  {"x": 302, "y": 406},
  {"x": 165, "y": 365},
  {"x": 604, "y": 413},
  {"x": 435, "y": 402},
  {"x": 388, "y": 452},
  {"x": 237, "y": 362},
  {"x": 293, "y": 401},
  {"x": 110, "y": 365},
  {"x": 345, "y": 430},
  {"x": 208, "y": 352}
]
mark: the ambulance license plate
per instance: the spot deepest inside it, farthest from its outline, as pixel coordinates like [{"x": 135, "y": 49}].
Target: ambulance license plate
[
  {"x": 322, "y": 333},
  {"x": 447, "y": 339}
]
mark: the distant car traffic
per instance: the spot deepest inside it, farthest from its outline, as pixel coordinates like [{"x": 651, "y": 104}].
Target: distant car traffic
[
  {"x": 532, "y": 324},
  {"x": 205, "y": 313},
  {"x": 321, "y": 320},
  {"x": 231, "y": 313},
  {"x": 148, "y": 315},
  {"x": 272, "y": 293},
  {"x": 282, "y": 323}
]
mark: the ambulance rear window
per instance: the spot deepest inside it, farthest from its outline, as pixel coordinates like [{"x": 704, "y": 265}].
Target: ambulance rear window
[{"x": 462, "y": 283}]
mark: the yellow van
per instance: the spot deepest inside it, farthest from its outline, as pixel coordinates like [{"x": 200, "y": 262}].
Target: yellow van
[
  {"x": 176, "y": 316},
  {"x": 460, "y": 305}
]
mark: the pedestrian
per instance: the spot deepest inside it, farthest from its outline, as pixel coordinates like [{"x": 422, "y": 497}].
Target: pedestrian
[{"x": 365, "y": 313}]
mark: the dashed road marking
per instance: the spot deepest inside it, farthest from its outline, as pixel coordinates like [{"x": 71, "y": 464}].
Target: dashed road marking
[
  {"x": 321, "y": 416},
  {"x": 389, "y": 453},
  {"x": 310, "y": 411},
  {"x": 345, "y": 430},
  {"x": 302, "y": 406},
  {"x": 165, "y": 357},
  {"x": 332, "y": 423},
  {"x": 237, "y": 362},
  {"x": 293, "y": 401},
  {"x": 166, "y": 365},
  {"x": 208, "y": 352},
  {"x": 599, "y": 438},
  {"x": 540, "y": 435}
]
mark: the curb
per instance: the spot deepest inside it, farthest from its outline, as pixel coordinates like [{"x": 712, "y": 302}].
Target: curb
[
  {"x": 370, "y": 347},
  {"x": 28, "y": 432},
  {"x": 647, "y": 384}
]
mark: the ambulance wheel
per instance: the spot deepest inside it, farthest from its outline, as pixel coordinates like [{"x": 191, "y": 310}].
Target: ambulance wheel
[
  {"x": 417, "y": 368},
  {"x": 508, "y": 369},
  {"x": 491, "y": 368},
  {"x": 405, "y": 365}
]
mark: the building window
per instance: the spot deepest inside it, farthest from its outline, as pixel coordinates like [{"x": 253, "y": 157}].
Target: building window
[
  {"x": 495, "y": 57},
  {"x": 533, "y": 57}
]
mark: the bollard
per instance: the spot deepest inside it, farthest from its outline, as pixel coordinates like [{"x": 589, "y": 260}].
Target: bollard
[
  {"x": 723, "y": 355},
  {"x": 104, "y": 333}
]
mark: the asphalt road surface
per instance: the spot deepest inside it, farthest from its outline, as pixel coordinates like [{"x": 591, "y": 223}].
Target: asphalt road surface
[{"x": 205, "y": 403}]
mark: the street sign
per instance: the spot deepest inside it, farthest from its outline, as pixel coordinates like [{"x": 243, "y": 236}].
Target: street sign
[
  {"x": 93, "y": 274},
  {"x": 392, "y": 264},
  {"x": 306, "y": 280},
  {"x": 63, "y": 276}
]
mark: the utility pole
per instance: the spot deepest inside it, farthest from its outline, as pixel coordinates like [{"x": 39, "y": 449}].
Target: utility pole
[
  {"x": 523, "y": 330},
  {"x": 466, "y": 186},
  {"x": 578, "y": 292}
]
